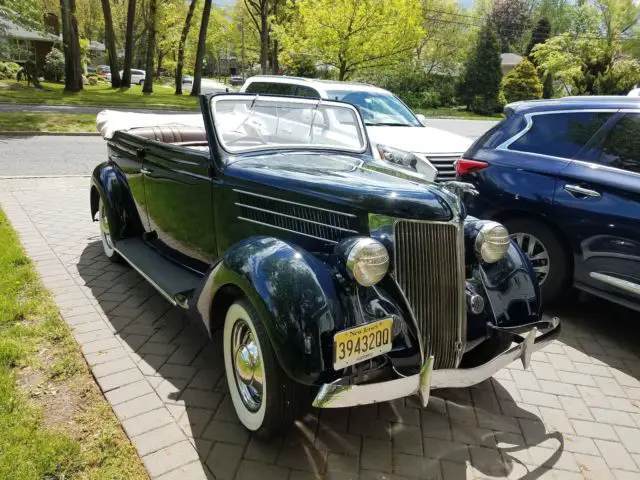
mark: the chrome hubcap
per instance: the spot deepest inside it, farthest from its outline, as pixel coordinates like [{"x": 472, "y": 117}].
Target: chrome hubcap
[
  {"x": 247, "y": 365},
  {"x": 104, "y": 226},
  {"x": 537, "y": 253}
]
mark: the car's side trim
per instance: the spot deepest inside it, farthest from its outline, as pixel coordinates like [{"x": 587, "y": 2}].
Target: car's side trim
[
  {"x": 295, "y": 218},
  {"x": 147, "y": 278},
  {"x": 625, "y": 285},
  {"x": 294, "y": 203},
  {"x": 286, "y": 230}
]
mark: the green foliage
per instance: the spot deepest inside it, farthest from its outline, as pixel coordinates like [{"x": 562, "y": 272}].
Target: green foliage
[
  {"x": 522, "y": 83},
  {"x": 540, "y": 34},
  {"x": 619, "y": 78},
  {"x": 548, "y": 88},
  {"x": 480, "y": 83},
  {"x": 299, "y": 65},
  {"x": 418, "y": 89},
  {"x": 509, "y": 19},
  {"x": 54, "y": 65},
  {"x": 353, "y": 35},
  {"x": 9, "y": 70}
]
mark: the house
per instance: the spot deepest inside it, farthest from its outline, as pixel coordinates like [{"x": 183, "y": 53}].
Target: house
[
  {"x": 508, "y": 62},
  {"x": 22, "y": 43}
]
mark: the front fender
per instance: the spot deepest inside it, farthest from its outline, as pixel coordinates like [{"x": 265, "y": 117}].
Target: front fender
[
  {"x": 110, "y": 184},
  {"x": 295, "y": 296}
]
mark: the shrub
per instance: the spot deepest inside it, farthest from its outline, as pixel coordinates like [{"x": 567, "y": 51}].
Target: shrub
[
  {"x": 522, "y": 83},
  {"x": 54, "y": 65},
  {"x": 92, "y": 80},
  {"x": 9, "y": 70},
  {"x": 618, "y": 79}
]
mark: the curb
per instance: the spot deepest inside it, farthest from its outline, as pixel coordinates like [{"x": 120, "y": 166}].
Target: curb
[{"x": 49, "y": 134}]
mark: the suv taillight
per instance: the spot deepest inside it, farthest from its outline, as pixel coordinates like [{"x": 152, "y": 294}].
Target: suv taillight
[{"x": 467, "y": 166}]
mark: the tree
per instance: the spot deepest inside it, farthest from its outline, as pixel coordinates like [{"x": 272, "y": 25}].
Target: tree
[
  {"x": 110, "y": 41},
  {"x": 151, "y": 46},
  {"x": 540, "y": 34},
  {"x": 71, "y": 43},
  {"x": 619, "y": 78},
  {"x": 202, "y": 38},
  {"x": 480, "y": 83},
  {"x": 183, "y": 41},
  {"x": 548, "y": 87},
  {"x": 128, "y": 44},
  {"x": 510, "y": 19},
  {"x": 353, "y": 35},
  {"x": 54, "y": 64},
  {"x": 259, "y": 12},
  {"x": 522, "y": 83}
]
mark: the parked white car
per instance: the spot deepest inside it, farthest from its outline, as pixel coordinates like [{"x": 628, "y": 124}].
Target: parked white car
[
  {"x": 137, "y": 76},
  {"x": 396, "y": 133}
]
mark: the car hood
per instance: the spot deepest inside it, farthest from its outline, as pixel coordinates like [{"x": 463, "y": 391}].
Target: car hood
[
  {"x": 419, "y": 139},
  {"x": 329, "y": 179}
]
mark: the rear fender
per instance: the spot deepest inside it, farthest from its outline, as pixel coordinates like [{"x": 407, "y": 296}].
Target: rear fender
[{"x": 294, "y": 294}]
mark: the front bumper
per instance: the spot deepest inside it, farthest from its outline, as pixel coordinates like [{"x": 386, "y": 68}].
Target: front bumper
[{"x": 335, "y": 395}]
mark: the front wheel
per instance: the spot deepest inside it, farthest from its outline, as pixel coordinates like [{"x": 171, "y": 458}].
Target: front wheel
[
  {"x": 265, "y": 399},
  {"x": 105, "y": 234}
]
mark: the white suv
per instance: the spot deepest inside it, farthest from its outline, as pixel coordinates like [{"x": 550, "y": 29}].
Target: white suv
[
  {"x": 395, "y": 132},
  {"x": 137, "y": 76}
]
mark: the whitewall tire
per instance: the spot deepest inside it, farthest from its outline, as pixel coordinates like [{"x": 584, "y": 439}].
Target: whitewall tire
[{"x": 105, "y": 234}]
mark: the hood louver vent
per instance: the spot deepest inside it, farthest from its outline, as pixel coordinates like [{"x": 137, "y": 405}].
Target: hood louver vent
[{"x": 313, "y": 222}]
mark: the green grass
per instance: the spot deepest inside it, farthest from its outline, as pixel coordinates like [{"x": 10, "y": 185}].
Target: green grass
[
  {"x": 54, "y": 422},
  {"x": 47, "y": 122},
  {"x": 456, "y": 113},
  {"x": 98, "y": 95}
]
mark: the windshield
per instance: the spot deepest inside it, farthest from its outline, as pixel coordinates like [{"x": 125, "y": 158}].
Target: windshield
[
  {"x": 377, "y": 108},
  {"x": 252, "y": 122}
]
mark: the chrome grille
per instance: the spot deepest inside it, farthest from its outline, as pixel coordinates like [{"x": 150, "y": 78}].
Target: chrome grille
[
  {"x": 429, "y": 267},
  {"x": 445, "y": 166},
  {"x": 307, "y": 220}
]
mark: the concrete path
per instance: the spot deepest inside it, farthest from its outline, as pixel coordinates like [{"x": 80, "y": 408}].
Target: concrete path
[{"x": 574, "y": 414}]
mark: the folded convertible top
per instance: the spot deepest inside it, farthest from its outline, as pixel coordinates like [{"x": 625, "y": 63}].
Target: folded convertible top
[{"x": 109, "y": 122}]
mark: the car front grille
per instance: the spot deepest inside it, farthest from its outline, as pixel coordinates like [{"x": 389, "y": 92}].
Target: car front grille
[
  {"x": 429, "y": 268},
  {"x": 445, "y": 166}
]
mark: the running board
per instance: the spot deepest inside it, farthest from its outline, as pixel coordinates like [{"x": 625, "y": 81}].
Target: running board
[{"x": 175, "y": 283}]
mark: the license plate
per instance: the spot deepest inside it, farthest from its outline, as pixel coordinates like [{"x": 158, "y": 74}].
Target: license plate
[{"x": 361, "y": 343}]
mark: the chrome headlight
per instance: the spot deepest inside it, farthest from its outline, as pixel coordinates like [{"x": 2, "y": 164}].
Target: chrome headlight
[
  {"x": 399, "y": 157},
  {"x": 492, "y": 242},
  {"x": 368, "y": 261}
]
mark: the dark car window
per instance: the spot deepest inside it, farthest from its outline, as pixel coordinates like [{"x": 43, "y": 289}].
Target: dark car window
[
  {"x": 307, "y": 92},
  {"x": 560, "y": 134},
  {"x": 621, "y": 148},
  {"x": 271, "y": 88}
]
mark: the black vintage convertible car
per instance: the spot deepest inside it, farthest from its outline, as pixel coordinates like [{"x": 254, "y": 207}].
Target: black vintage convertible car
[{"x": 328, "y": 272}]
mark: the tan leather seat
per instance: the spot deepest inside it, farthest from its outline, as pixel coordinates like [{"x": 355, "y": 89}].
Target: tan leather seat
[{"x": 170, "y": 134}]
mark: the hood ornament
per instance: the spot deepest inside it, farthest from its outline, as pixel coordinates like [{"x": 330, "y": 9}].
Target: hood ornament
[{"x": 460, "y": 188}]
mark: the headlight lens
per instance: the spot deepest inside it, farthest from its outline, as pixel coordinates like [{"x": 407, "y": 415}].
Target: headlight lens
[
  {"x": 368, "y": 261},
  {"x": 399, "y": 157},
  {"x": 492, "y": 242}
]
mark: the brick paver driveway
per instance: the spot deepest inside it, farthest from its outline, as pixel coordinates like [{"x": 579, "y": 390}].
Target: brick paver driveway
[{"x": 574, "y": 414}]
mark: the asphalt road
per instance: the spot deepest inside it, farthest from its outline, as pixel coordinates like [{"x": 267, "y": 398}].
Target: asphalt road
[{"x": 76, "y": 155}]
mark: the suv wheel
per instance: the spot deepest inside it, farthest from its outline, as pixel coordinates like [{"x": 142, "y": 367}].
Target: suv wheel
[{"x": 548, "y": 257}]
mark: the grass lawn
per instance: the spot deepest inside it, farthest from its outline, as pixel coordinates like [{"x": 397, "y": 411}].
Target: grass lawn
[
  {"x": 47, "y": 122},
  {"x": 457, "y": 113},
  {"x": 99, "y": 95},
  {"x": 54, "y": 421}
]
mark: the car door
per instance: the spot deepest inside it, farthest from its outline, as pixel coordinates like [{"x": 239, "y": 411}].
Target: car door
[
  {"x": 178, "y": 192},
  {"x": 599, "y": 198}
]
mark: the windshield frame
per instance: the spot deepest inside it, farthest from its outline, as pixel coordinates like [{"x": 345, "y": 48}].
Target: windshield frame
[
  {"x": 362, "y": 132},
  {"x": 377, "y": 92}
]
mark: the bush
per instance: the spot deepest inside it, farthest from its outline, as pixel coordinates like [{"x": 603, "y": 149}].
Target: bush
[
  {"x": 9, "y": 70},
  {"x": 522, "y": 83},
  {"x": 418, "y": 89},
  {"x": 92, "y": 80},
  {"x": 619, "y": 78},
  {"x": 54, "y": 65}
]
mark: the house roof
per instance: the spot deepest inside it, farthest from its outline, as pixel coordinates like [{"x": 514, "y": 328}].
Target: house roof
[
  {"x": 510, "y": 58},
  {"x": 11, "y": 29}
]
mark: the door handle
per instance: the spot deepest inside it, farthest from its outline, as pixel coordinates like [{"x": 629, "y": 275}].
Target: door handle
[
  {"x": 146, "y": 171},
  {"x": 581, "y": 191},
  {"x": 140, "y": 152}
]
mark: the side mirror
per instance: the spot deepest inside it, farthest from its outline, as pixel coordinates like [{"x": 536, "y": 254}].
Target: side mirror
[{"x": 422, "y": 119}]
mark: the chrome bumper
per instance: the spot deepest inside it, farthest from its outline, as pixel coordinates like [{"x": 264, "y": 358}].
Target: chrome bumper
[{"x": 333, "y": 395}]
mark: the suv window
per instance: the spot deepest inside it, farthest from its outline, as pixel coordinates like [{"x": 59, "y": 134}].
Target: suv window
[
  {"x": 621, "y": 148},
  {"x": 560, "y": 134},
  {"x": 271, "y": 88},
  {"x": 307, "y": 92}
]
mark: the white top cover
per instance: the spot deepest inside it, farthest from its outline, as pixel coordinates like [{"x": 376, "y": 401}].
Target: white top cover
[{"x": 109, "y": 122}]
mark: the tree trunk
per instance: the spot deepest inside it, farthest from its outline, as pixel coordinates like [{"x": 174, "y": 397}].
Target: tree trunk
[
  {"x": 183, "y": 40},
  {"x": 264, "y": 37},
  {"x": 128, "y": 45},
  {"x": 197, "y": 73},
  {"x": 159, "y": 65},
  {"x": 110, "y": 40},
  {"x": 151, "y": 48},
  {"x": 275, "y": 65},
  {"x": 71, "y": 41}
]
